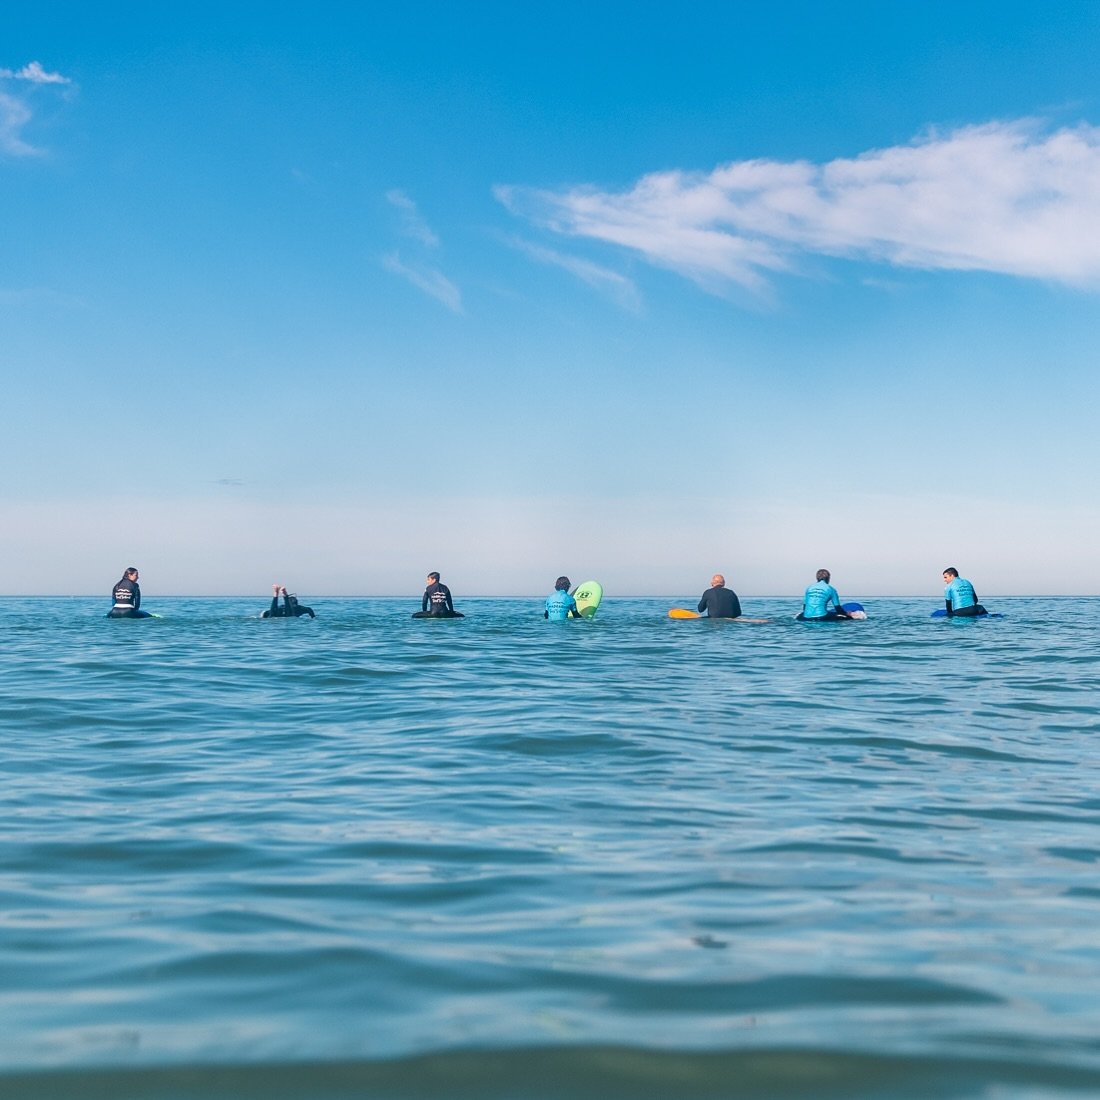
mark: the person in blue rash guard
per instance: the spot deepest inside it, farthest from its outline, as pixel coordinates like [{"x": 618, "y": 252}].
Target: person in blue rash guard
[
  {"x": 127, "y": 598},
  {"x": 816, "y": 600},
  {"x": 437, "y": 602},
  {"x": 959, "y": 595},
  {"x": 718, "y": 601},
  {"x": 559, "y": 604}
]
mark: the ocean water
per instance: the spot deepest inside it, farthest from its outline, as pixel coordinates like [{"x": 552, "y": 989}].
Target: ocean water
[{"x": 499, "y": 857}]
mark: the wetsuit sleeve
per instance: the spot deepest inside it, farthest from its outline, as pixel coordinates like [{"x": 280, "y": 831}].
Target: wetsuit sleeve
[
  {"x": 450, "y": 602},
  {"x": 424, "y": 601},
  {"x": 948, "y": 603},
  {"x": 702, "y": 603},
  {"x": 136, "y": 589},
  {"x": 274, "y": 610},
  {"x": 736, "y": 607}
]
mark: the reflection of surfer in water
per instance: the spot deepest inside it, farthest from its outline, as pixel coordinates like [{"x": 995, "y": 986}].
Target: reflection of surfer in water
[
  {"x": 437, "y": 602},
  {"x": 291, "y": 608},
  {"x": 127, "y": 596}
]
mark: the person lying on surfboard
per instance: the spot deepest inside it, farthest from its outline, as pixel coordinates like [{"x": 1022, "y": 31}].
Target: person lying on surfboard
[
  {"x": 559, "y": 603},
  {"x": 816, "y": 600},
  {"x": 291, "y": 608},
  {"x": 718, "y": 601}
]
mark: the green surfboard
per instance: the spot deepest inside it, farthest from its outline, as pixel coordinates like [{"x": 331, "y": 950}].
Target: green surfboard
[{"x": 588, "y": 596}]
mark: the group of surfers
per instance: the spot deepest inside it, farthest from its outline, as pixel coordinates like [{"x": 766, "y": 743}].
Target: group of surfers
[{"x": 820, "y": 602}]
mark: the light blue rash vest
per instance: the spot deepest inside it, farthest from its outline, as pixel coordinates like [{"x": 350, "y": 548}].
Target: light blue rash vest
[
  {"x": 558, "y": 605},
  {"x": 961, "y": 594},
  {"x": 815, "y": 603}
]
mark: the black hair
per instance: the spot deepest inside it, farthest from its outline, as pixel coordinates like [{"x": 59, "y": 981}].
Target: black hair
[
  {"x": 561, "y": 584},
  {"x": 823, "y": 575},
  {"x": 952, "y": 570},
  {"x": 433, "y": 577}
]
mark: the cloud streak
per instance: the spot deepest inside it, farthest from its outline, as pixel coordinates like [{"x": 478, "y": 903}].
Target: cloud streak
[
  {"x": 412, "y": 224},
  {"x": 621, "y": 289},
  {"x": 428, "y": 279},
  {"x": 34, "y": 73},
  {"x": 15, "y": 111},
  {"x": 1004, "y": 197}
]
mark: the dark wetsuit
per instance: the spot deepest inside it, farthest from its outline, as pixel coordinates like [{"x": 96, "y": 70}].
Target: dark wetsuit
[
  {"x": 127, "y": 601},
  {"x": 720, "y": 603},
  {"x": 291, "y": 609},
  {"x": 437, "y": 603}
]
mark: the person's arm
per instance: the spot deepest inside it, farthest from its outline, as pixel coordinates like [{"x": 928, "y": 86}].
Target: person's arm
[
  {"x": 450, "y": 602},
  {"x": 736, "y": 607},
  {"x": 840, "y": 612},
  {"x": 136, "y": 589},
  {"x": 702, "y": 603},
  {"x": 424, "y": 601}
]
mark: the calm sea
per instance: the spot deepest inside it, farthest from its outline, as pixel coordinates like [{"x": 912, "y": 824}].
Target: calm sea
[{"x": 366, "y": 856}]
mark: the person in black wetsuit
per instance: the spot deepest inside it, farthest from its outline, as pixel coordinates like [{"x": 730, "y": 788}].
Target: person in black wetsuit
[
  {"x": 718, "y": 601},
  {"x": 291, "y": 608},
  {"x": 437, "y": 602},
  {"x": 127, "y": 597}
]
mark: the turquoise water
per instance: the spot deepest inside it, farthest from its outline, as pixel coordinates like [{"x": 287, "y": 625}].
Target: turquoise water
[{"x": 495, "y": 857}]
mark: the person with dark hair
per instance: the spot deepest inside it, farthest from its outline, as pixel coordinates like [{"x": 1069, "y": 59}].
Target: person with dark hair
[
  {"x": 437, "y": 602},
  {"x": 127, "y": 597},
  {"x": 718, "y": 601},
  {"x": 959, "y": 595},
  {"x": 559, "y": 604},
  {"x": 816, "y": 600},
  {"x": 291, "y": 608}
]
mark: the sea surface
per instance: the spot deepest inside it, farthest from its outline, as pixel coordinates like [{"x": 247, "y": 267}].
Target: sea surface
[{"x": 367, "y": 856}]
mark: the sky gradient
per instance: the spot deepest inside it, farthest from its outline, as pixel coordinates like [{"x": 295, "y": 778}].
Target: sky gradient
[{"x": 336, "y": 296}]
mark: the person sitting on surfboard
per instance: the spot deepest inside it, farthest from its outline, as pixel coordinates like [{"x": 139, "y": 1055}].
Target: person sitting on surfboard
[
  {"x": 718, "y": 601},
  {"x": 960, "y": 596},
  {"x": 291, "y": 608},
  {"x": 437, "y": 602},
  {"x": 559, "y": 604},
  {"x": 816, "y": 600},
  {"x": 127, "y": 596}
]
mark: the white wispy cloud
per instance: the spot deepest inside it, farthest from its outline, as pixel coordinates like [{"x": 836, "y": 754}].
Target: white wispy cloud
[
  {"x": 621, "y": 289},
  {"x": 34, "y": 73},
  {"x": 14, "y": 115},
  {"x": 412, "y": 224},
  {"x": 1007, "y": 197},
  {"x": 426, "y": 278},
  {"x": 15, "y": 110}
]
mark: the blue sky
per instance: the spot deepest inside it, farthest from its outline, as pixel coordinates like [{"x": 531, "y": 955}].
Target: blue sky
[{"x": 334, "y": 296}]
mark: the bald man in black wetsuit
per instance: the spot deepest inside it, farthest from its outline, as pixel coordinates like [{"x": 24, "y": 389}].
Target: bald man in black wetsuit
[{"x": 718, "y": 601}]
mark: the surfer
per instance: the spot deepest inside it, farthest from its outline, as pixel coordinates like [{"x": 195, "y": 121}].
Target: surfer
[
  {"x": 718, "y": 601},
  {"x": 816, "y": 600},
  {"x": 291, "y": 608},
  {"x": 127, "y": 597},
  {"x": 960, "y": 596},
  {"x": 437, "y": 602},
  {"x": 559, "y": 604}
]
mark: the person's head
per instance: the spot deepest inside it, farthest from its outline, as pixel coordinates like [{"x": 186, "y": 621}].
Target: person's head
[
  {"x": 291, "y": 599},
  {"x": 131, "y": 573},
  {"x": 561, "y": 584},
  {"x": 950, "y": 573},
  {"x": 823, "y": 575},
  {"x": 717, "y": 581},
  {"x": 433, "y": 578}
]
